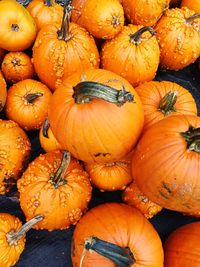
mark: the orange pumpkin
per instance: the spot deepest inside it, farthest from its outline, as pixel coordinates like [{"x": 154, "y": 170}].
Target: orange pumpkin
[
  {"x": 93, "y": 119},
  {"x": 3, "y": 91},
  {"x": 142, "y": 12},
  {"x": 179, "y": 38},
  {"x": 166, "y": 161},
  {"x": 12, "y": 235},
  {"x": 165, "y": 98},
  {"x": 133, "y": 54},
  {"x": 55, "y": 187},
  {"x": 66, "y": 51},
  {"x": 2, "y": 53},
  {"x": 15, "y": 150},
  {"x": 17, "y": 66},
  {"x": 119, "y": 235},
  {"x": 193, "y": 5},
  {"x": 18, "y": 29}
]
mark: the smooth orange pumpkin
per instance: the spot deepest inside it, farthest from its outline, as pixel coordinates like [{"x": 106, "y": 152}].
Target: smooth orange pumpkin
[
  {"x": 96, "y": 115},
  {"x": 3, "y": 91},
  {"x": 166, "y": 161},
  {"x": 193, "y": 5},
  {"x": 120, "y": 236},
  {"x": 165, "y": 98}
]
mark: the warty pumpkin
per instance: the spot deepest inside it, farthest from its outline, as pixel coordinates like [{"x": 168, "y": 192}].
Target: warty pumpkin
[
  {"x": 3, "y": 91},
  {"x": 96, "y": 115},
  {"x": 193, "y": 5},
  {"x": 119, "y": 235}
]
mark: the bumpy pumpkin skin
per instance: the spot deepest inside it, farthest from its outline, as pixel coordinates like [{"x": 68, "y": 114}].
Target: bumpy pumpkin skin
[
  {"x": 182, "y": 246},
  {"x": 61, "y": 206},
  {"x": 179, "y": 38},
  {"x": 193, "y": 5},
  {"x": 117, "y": 227},
  {"x": 151, "y": 95},
  {"x": 164, "y": 168},
  {"x": 3, "y": 91},
  {"x": 136, "y": 61}
]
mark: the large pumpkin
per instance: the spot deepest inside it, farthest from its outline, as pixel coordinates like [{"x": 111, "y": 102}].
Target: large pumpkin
[
  {"x": 3, "y": 91},
  {"x": 119, "y": 235},
  {"x": 193, "y": 5},
  {"x": 96, "y": 115},
  {"x": 166, "y": 163}
]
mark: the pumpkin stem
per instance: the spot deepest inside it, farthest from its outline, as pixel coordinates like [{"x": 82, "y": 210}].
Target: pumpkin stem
[
  {"x": 31, "y": 97},
  {"x": 192, "y": 18},
  {"x": 16, "y": 62},
  {"x": 122, "y": 257},
  {"x": 136, "y": 37},
  {"x": 45, "y": 128},
  {"x": 14, "y": 237},
  {"x": 85, "y": 91},
  {"x": 48, "y": 3},
  {"x": 59, "y": 177},
  {"x": 63, "y": 34},
  {"x": 192, "y": 137},
  {"x": 167, "y": 103}
]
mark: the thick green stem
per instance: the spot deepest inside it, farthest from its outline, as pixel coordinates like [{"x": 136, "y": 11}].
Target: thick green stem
[
  {"x": 32, "y": 97},
  {"x": 167, "y": 103},
  {"x": 63, "y": 34},
  {"x": 192, "y": 18},
  {"x": 45, "y": 128},
  {"x": 192, "y": 137},
  {"x": 85, "y": 91},
  {"x": 136, "y": 37}
]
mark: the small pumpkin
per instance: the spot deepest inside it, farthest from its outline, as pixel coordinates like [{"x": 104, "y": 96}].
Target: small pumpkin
[
  {"x": 56, "y": 187},
  {"x": 17, "y": 66},
  {"x": 193, "y": 5},
  {"x": 3, "y": 91},
  {"x": 2, "y": 53},
  {"x": 91, "y": 115},
  {"x": 18, "y": 29},
  {"x": 179, "y": 38},
  {"x": 165, "y": 98},
  {"x": 120, "y": 236},
  {"x": 67, "y": 50},
  {"x": 15, "y": 150},
  {"x": 182, "y": 246},
  {"x": 45, "y": 12},
  {"x": 166, "y": 161},
  {"x": 27, "y": 103},
  {"x": 12, "y": 235}
]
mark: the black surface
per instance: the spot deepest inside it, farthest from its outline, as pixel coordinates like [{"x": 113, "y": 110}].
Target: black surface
[{"x": 52, "y": 249}]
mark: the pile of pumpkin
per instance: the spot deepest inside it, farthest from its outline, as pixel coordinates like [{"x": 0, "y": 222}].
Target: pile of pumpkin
[{"x": 81, "y": 76}]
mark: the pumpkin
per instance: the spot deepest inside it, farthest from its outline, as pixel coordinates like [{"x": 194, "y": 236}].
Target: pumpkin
[
  {"x": 120, "y": 236},
  {"x": 14, "y": 154},
  {"x": 143, "y": 12},
  {"x": 3, "y": 91},
  {"x": 166, "y": 161},
  {"x": 27, "y": 103},
  {"x": 45, "y": 12},
  {"x": 133, "y": 54},
  {"x": 2, "y": 53},
  {"x": 135, "y": 198},
  {"x": 179, "y": 38},
  {"x": 56, "y": 187},
  {"x": 165, "y": 98},
  {"x": 17, "y": 66},
  {"x": 12, "y": 235},
  {"x": 182, "y": 246},
  {"x": 47, "y": 140},
  {"x": 96, "y": 115},
  {"x": 17, "y": 26},
  {"x": 67, "y": 50},
  {"x": 104, "y": 19},
  {"x": 193, "y": 5}
]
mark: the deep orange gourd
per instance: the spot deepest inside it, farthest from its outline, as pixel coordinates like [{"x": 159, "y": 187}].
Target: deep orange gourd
[
  {"x": 143, "y": 12},
  {"x": 17, "y": 66},
  {"x": 67, "y": 51},
  {"x": 45, "y": 12},
  {"x": 96, "y": 115},
  {"x": 134, "y": 54},
  {"x": 166, "y": 162},
  {"x": 193, "y": 5},
  {"x": 12, "y": 235},
  {"x": 165, "y": 98},
  {"x": 56, "y": 187},
  {"x": 179, "y": 38},
  {"x": 3, "y": 91},
  {"x": 18, "y": 29},
  {"x": 27, "y": 103},
  {"x": 182, "y": 246},
  {"x": 127, "y": 232},
  {"x": 14, "y": 154}
]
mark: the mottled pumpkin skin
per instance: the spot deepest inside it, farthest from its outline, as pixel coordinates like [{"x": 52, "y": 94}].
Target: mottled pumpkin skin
[
  {"x": 122, "y": 225},
  {"x": 135, "y": 61},
  {"x": 179, "y": 40},
  {"x": 14, "y": 154},
  {"x": 62, "y": 206},
  {"x": 9, "y": 254},
  {"x": 193, "y": 5},
  {"x": 165, "y": 170},
  {"x": 182, "y": 246},
  {"x": 3, "y": 91}
]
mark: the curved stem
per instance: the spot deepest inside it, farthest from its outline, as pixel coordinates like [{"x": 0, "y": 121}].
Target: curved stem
[
  {"x": 136, "y": 37},
  {"x": 122, "y": 257},
  {"x": 192, "y": 137},
  {"x": 85, "y": 91},
  {"x": 193, "y": 17},
  {"x": 31, "y": 97},
  {"x": 63, "y": 34},
  {"x": 167, "y": 103},
  {"x": 13, "y": 237},
  {"x": 45, "y": 128},
  {"x": 48, "y": 3}
]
